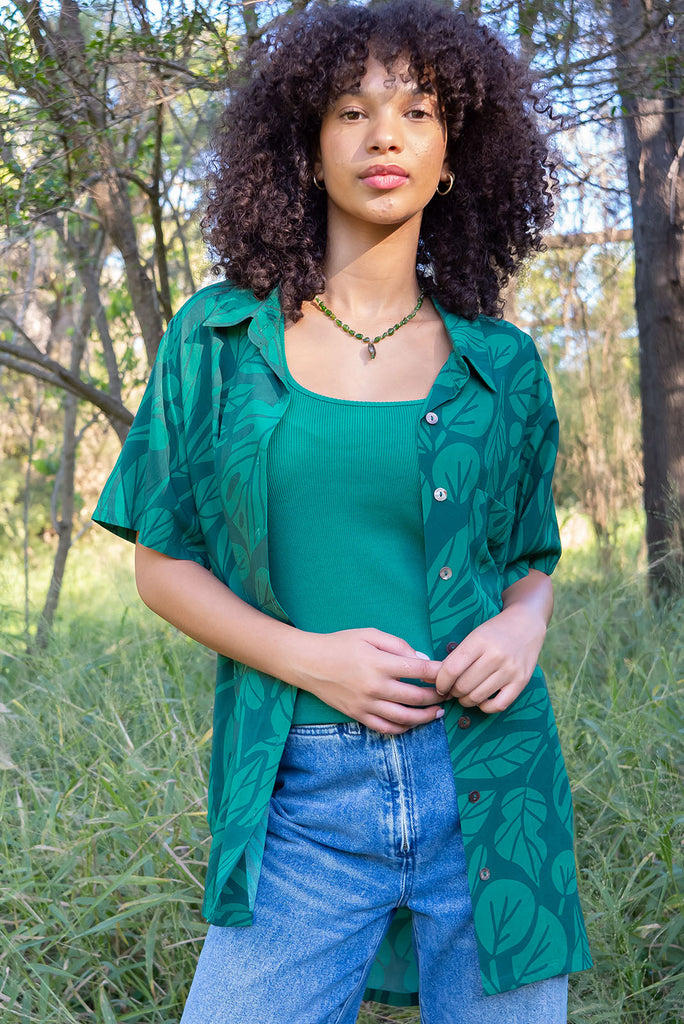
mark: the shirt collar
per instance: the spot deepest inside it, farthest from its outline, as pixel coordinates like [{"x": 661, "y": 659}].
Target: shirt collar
[
  {"x": 469, "y": 344},
  {"x": 236, "y": 305}
]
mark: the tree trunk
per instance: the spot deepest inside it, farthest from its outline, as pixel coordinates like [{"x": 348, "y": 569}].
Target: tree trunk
[
  {"x": 65, "y": 482},
  {"x": 65, "y": 89},
  {"x": 113, "y": 203},
  {"x": 155, "y": 195},
  {"x": 65, "y": 523},
  {"x": 653, "y": 129},
  {"x": 88, "y": 256}
]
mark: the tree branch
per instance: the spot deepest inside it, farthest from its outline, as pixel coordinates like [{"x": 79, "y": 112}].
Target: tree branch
[
  {"x": 582, "y": 239},
  {"x": 32, "y": 361},
  {"x": 160, "y": 63}
]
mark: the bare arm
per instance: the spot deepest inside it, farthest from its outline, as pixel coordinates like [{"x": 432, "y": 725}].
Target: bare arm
[
  {"x": 498, "y": 658},
  {"x": 357, "y": 671}
]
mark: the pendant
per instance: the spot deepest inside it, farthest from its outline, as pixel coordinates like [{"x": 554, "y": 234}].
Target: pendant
[{"x": 371, "y": 350}]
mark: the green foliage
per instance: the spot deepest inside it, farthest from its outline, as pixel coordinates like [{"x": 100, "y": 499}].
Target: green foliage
[
  {"x": 12, "y": 483},
  {"x": 580, "y": 306},
  {"x": 104, "y": 745},
  {"x": 616, "y": 668}
]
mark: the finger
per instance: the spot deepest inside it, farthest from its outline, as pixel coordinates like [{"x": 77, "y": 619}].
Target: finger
[
  {"x": 473, "y": 677},
  {"x": 413, "y": 665},
  {"x": 396, "y": 692},
  {"x": 413, "y": 668},
  {"x": 448, "y": 679},
  {"x": 429, "y": 671},
  {"x": 486, "y": 690},
  {"x": 379, "y": 724},
  {"x": 466, "y": 654},
  {"x": 448, "y": 682},
  {"x": 502, "y": 699},
  {"x": 388, "y": 642},
  {"x": 407, "y": 717}
]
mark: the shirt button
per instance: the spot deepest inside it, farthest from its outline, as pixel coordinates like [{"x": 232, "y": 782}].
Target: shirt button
[
  {"x": 485, "y": 874},
  {"x": 439, "y": 494},
  {"x": 464, "y": 722},
  {"x": 432, "y": 417},
  {"x": 474, "y": 796},
  {"x": 445, "y": 573},
  {"x": 451, "y": 646}
]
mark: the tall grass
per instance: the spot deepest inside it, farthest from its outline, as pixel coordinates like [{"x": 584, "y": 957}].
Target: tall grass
[{"x": 104, "y": 749}]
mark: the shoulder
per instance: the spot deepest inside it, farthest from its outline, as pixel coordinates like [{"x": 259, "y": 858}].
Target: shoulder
[
  {"x": 518, "y": 371},
  {"x": 508, "y": 343},
  {"x": 218, "y": 304},
  {"x": 515, "y": 358}
]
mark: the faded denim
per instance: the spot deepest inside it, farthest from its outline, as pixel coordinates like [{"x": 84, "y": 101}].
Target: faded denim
[{"x": 360, "y": 823}]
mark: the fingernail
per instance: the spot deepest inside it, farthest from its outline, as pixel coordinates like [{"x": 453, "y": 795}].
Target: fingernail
[
  {"x": 425, "y": 657},
  {"x": 440, "y": 713}
]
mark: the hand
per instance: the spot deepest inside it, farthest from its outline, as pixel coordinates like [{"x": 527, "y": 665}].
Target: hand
[
  {"x": 359, "y": 672},
  {"x": 494, "y": 664}
]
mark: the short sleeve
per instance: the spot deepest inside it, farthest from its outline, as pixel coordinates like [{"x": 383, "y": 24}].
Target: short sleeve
[
  {"x": 535, "y": 538},
  {"x": 150, "y": 490}
]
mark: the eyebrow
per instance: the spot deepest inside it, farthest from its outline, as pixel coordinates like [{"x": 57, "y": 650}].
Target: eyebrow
[{"x": 356, "y": 90}]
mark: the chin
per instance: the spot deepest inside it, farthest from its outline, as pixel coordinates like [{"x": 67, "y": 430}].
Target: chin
[
  {"x": 381, "y": 211},
  {"x": 390, "y": 213},
  {"x": 395, "y": 218}
]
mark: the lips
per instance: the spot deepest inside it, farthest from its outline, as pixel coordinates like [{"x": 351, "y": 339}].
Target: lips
[
  {"x": 379, "y": 170},
  {"x": 384, "y": 176}
]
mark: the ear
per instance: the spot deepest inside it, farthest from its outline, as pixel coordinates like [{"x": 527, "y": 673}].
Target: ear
[
  {"x": 317, "y": 162},
  {"x": 446, "y": 171}
]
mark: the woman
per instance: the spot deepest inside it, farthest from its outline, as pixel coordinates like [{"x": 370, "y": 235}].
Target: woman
[{"x": 353, "y": 508}]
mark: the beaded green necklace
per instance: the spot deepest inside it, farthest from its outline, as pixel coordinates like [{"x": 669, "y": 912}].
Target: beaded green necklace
[{"x": 370, "y": 342}]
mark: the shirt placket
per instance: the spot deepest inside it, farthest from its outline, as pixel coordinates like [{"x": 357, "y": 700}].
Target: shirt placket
[{"x": 445, "y": 522}]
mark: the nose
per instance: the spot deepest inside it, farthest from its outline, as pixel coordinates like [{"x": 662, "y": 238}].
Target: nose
[{"x": 384, "y": 135}]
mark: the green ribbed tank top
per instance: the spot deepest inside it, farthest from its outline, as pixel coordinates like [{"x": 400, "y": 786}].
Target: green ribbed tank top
[{"x": 345, "y": 522}]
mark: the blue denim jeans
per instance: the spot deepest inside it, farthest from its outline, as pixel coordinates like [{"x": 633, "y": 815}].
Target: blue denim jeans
[{"x": 360, "y": 824}]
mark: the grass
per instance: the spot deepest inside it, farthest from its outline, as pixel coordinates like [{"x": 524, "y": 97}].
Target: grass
[{"x": 104, "y": 748}]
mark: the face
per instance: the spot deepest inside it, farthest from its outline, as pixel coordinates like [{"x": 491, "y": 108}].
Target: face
[{"x": 382, "y": 148}]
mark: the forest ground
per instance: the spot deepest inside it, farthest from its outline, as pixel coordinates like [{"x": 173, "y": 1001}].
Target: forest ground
[{"x": 104, "y": 751}]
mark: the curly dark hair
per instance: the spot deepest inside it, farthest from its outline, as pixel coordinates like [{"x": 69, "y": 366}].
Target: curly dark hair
[{"x": 265, "y": 221}]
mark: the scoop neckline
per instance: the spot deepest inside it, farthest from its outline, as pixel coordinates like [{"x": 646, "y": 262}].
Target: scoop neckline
[
  {"x": 349, "y": 401},
  {"x": 293, "y": 383}
]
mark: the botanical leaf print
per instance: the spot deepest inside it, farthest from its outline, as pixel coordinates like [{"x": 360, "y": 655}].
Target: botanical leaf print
[
  {"x": 544, "y": 950},
  {"x": 504, "y": 354},
  {"x": 473, "y": 814},
  {"x": 477, "y": 862},
  {"x": 520, "y": 389},
  {"x": 191, "y": 478},
  {"x": 457, "y": 470},
  {"x": 252, "y": 692},
  {"x": 501, "y": 756},
  {"x": 563, "y": 873},
  {"x": 562, "y": 796},
  {"x": 503, "y": 914},
  {"x": 517, "y": 838},
  {"x": 532, "y": 703}
]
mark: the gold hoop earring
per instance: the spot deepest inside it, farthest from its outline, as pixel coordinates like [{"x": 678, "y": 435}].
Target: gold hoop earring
[
  {"x": 319, "y": 185},
  {"x": 447, "y": 190}
]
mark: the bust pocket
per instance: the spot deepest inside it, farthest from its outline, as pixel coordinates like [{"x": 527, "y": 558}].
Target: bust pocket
[{"x": 491, "y": 525}]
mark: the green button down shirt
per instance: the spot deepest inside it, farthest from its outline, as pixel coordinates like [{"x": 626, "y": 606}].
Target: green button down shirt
[{"x": 191, "y": 481}]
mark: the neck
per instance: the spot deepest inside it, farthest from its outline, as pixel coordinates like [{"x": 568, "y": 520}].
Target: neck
[{"x": 371, "y": 269}]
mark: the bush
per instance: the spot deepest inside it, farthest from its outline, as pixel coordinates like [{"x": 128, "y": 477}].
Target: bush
[{"x": 104, "y": 754}]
